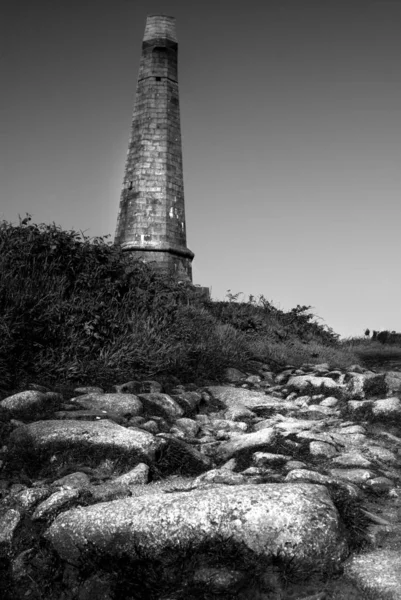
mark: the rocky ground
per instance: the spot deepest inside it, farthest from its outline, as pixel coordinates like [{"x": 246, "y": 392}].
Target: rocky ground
[{"x": 281, "y": 485}]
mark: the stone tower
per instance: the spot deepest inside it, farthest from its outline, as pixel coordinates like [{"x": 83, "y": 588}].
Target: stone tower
[{"x": 151, "y": 217}]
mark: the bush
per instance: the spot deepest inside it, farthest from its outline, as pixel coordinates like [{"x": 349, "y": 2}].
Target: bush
[{"x": 80, "y": 310}]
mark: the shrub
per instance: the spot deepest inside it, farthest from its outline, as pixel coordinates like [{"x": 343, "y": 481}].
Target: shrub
[{"x": 80, "y": 310}]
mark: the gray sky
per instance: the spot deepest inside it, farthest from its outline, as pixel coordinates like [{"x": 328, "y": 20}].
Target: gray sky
[{"x": 291, "y": 127}]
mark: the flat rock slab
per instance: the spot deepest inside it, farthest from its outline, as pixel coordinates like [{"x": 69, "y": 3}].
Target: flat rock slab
[
  {"x": 255, "y": 401},
  {"x": 96, "y": 436},
  {"x": 124, "y": 405},
  {"x": 377, "y": 573},
  {"x": 297, "y": 521}
]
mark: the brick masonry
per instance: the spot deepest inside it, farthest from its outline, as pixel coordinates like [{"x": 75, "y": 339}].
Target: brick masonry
[{"x": 151, "y": 218}]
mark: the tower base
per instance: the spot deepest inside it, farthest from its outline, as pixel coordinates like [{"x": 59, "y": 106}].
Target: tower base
[{"x": 177, "y": 266}]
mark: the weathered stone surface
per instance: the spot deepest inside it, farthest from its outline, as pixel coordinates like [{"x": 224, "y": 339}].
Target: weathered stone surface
[
  {"x": 299, "y": 474},
  {"x": 351, "y": 429},
  {"x": 393, "y": 381},
  {"x": 106, "y": 492},
  {"x": 54, "y": 503},
  {"x": 303, "y": 382},
  {"x": 388, "y": 408},
  {"x": 322, "y": 449},
  {"x": 72, "y": 481},
  {"x": 379, "y": 484},
  {"x": 383, "y": 454},
  {"x": 239, "y": 413},
  {"x": 221, "y": 476},
  {"x": 330, "y": 402},
  {"x": 307, "y": 476},
  {"x": 269, "y": 519},
  {"x": 293, "y": 465},
  {"x": 264, "y": 437},
  {"x": 352, "y": 459},
  {"x": 88, "y": 415},
  {"x": 348, "y": 439},
  {"x": 290, "y": 425},
  {"x": 324, "y": 437},
  {"x": 268, "y": 458},
  {"x": 220, "y": 443},
  {"x": 26, "y": 499},
  {"x": 356, "y": 476},
  {"x": 31, "y": 404},
  {"x": 162, "y": 405},
  {"x": 320, "y": 408},
  {"x": 253, "y": 400},
  {"x": 138, "y": 475},
  {"x": 100, "y": 435},
  {"x": 124, "y": 405},
  {"x": 377, "y": 573}
]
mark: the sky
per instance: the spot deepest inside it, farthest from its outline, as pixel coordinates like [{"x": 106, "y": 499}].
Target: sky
[{"x": 291, "y": 129}]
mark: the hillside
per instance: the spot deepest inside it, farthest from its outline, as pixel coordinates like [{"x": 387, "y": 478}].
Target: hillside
[{"x": 75, "y": 310}]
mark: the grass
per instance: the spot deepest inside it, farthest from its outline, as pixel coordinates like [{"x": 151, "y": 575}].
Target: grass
[
  {"x": 373, "y": 353},
  {"x": 79, "y": 311}
]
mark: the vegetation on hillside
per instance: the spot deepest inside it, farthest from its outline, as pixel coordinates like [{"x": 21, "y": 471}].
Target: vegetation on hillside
[{"x": 80, "y": 311}]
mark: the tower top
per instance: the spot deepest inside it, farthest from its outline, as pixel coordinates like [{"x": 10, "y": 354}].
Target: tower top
[{"x": 160, "y": 26}]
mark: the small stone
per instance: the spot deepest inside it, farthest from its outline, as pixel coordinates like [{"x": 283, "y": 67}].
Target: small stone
[
  {"x": 140, "y": 474},
  {"x": 330, "y": 401},
  {"x": 307, "y": 476},
  {"x": 253, "y": 379},
  {"x": 356, "y": 476},
  {"x": 388, "y": 407},
  {"x": 321, "y": 367},
  {"x": 268, "y": 458},
  {"x": 379, "y": 484},
  {"x": 350, "y": 429},
  {"x": 352, "y": 459},
  {"x": 322, "y": 449},
  {"x": 383, "y": 454},
  {"x": 302, "y": 382},
  {"x": 28, "y": 498},
  {"x": 57, "y": 500},
  {"x": 293, "y": 465},
  {"x": 304, "y": 400},
  {"x": 76, "y": 480}
]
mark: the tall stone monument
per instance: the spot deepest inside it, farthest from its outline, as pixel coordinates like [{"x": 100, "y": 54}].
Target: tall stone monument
[{"x": 151, "y": 217}]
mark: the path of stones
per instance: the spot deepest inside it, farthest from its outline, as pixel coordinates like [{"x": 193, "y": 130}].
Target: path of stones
[{"x": 272, "y": 486}]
